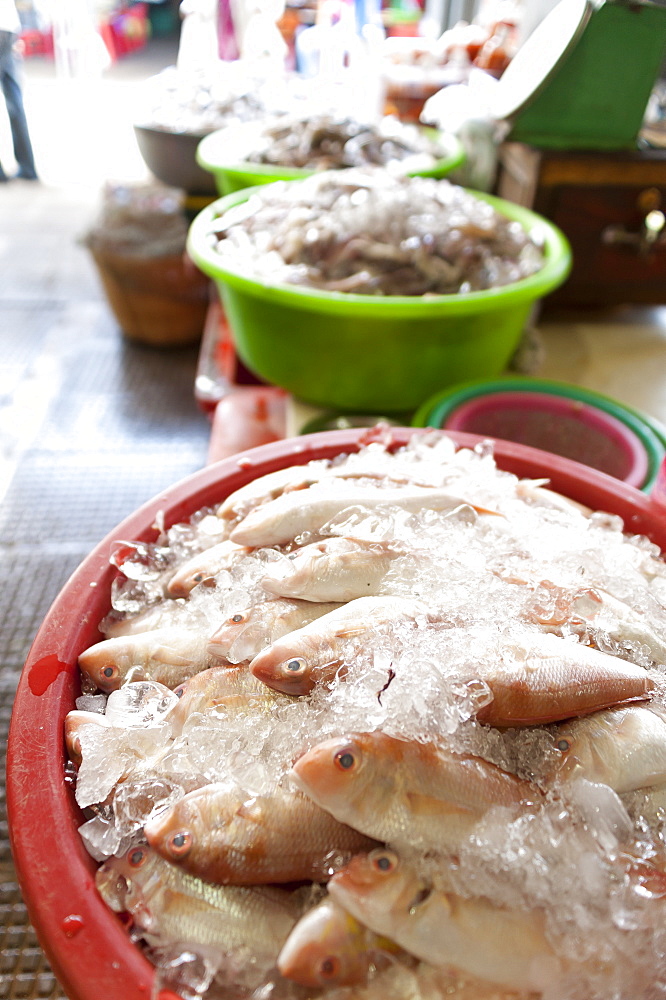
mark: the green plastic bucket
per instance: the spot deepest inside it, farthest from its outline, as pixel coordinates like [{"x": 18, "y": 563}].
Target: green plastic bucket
[
  {"x": 232, "y": 176},
  {"x": 372, "y": 354}
]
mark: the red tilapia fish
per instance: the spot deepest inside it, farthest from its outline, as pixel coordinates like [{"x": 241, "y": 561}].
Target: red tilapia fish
[
  {"x": 539, "y": 678},
  {"x": 224, "y": 835},
  {"x": 623, "y": 747},
  {"x": 249, "y": 630},
  {"x": 315, "y": 653},
  {"x": 329, "y": 947},
  {"x": 228, "y": 690},
  {"x": 334, "y": 569},
  {"x": 377, "y": 465},
  {"x": 204, "y": 567},
  {"x": 509, "y": 948},
  {"x": 168, "y": 907},
  {"x": 167, "y": 655},
  {"x": 498, "y": 811},
  {"x": 406, "y": 793},
  {"x": 282, "y": 520}
]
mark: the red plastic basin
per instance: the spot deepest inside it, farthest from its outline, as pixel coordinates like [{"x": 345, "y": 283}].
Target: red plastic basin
[{"x": 86, "y": 943}]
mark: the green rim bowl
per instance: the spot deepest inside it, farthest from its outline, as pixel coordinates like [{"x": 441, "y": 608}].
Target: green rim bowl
[
  {"x": 443, "y": 409},
  {"x": 368, "y": 353},
  {"x": 236, "y": 176}
]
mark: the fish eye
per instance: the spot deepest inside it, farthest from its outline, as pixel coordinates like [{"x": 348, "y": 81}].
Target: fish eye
[
  {"x": 329, "y": 967},
  {"x": 237, "y": 619},
  {"x": 347, "y": 758},
  {"x": 563, "y": 745},
  {"x": 137, "y": 857},
  {"x": 383, "y": 861},
  {"x": 296, "y": 666},
  {"x": 109, "y": 672},
  {"x": 179, "y": 843}
]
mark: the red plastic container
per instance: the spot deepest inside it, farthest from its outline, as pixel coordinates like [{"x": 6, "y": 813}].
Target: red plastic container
[
  {"x": 573, "y": 429},
  {"x": 86, "y": 943},
  {"x": 567, "y": 419}
]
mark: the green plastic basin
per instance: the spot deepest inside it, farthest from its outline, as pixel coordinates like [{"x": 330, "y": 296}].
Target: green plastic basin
[
  {"x": 367, "y": 353},
  {"x": 232, "y": 176}
]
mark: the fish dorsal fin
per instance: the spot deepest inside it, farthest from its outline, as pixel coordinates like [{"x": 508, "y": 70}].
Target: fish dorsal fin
[
  {"x": 351, "y": 632},
  {"x": 485, "y": 510}
]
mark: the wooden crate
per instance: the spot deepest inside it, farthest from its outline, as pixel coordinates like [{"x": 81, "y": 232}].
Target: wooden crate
[{"x": 601, "y": 201}]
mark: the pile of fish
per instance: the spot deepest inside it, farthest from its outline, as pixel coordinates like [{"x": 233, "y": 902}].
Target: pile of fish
[
  {"x": 366, "y": 231},
  {"x": 389, "y": 726},
  {"x": 326, "y": 141}
]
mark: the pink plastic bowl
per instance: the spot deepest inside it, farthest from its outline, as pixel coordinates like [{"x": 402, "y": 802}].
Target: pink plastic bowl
[
  {"x": 566, "y": 426},
  {"x": 86, "y": 943}
]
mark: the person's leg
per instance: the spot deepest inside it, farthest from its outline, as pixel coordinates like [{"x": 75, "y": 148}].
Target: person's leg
[
  {"x": 3, "y": 175},
  {"x": 11, "y": 89}
]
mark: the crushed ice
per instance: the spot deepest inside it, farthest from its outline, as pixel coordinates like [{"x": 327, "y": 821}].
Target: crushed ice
[{"x": 536, "y": 560}]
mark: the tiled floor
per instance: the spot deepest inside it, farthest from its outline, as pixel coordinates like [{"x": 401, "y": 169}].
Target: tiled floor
[{"x": 91, "y": 425}]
